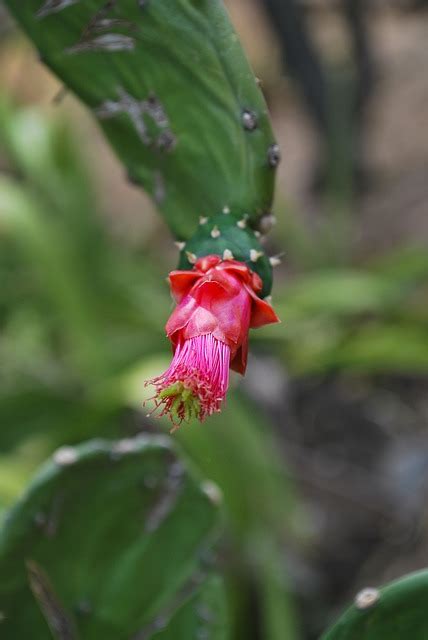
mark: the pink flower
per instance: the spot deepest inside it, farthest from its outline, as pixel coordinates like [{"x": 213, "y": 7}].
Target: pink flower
[{"x": 217, "y": 303}]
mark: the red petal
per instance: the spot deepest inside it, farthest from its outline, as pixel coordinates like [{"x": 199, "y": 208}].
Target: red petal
[
  {"x": 256, "y": 282},
  {"x": 207, "y": 262},
  {"x": 261, "y": 312},
  {"x": 180, "y": 316},
  {"x": 237, "y": 268},
  {"x": 239, "y": 362},
  {"x": 181, "y": 282}
]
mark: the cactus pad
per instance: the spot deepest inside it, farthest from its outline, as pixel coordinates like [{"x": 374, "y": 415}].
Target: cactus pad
[
  {"x": 395, "y": 612},
  {"x": 170, "y": 86},
  {"x": 227, "y": 233},
  {"x": 110, "y": 541}
]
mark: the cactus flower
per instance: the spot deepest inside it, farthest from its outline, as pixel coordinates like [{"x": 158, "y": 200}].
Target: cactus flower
[{"x": 217, "y": 303}]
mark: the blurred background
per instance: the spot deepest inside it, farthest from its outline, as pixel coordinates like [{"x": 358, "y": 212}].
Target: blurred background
[{"x": 322, "y": 453}]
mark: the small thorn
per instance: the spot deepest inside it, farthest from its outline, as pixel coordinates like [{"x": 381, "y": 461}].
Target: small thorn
[
  {"x": 203, "y": 219},
  {"x": 268, "y": 299},
  {"x": 274, "y": 155},
  {"x": 367, "y": 598},
  {"x": 65, "y": 456},
  {"x": 226, "y": 210},
  {"x": 255, "y": 255},
  {"x": 249, "y": 120},
  {"x": 215, "y": 232},
  {"x": 228, "y": 255},
  {"x": 257, "y": 234},
  {"x": 213, "y": 492},
  {"x": 241, "y": 223},
  {"x": 191, "y": 257},
  {"x": 180, "y": 245},
  {"x": 275, "y": 261}
]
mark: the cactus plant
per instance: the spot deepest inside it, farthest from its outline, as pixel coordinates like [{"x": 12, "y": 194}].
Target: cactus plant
[
  {"x": 395, "y": 612},
  {"x": 111, "y": 540},
  {"x": 175, "y": 96}
]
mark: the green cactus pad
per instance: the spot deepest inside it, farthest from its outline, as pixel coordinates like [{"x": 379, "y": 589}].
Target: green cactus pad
[
  {"x": 395, "y": 612},
  {"x": 203, "y": 615},
  {"x": 111, "y": 541},
  {"x": 172, "y": 90},
  {"x": 221, "y": 233}
]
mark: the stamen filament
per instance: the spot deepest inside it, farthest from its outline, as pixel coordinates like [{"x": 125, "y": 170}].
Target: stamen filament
[{"x": 196, "y": 382}]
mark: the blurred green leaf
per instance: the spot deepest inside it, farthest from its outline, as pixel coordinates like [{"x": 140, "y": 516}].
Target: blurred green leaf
[
  {"x": 238, "y": 450},
  {"x": 361, "y": 320},
  {"x": 408, "y": 264},
  {"x": 337, "y": 293},
  {"x": 382, "y": 347},
  {"x": 21, "y": 216},
  {"x": 279, "y": 618}
]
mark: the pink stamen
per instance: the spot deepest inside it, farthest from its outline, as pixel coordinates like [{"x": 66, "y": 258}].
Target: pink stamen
[{"x": 198, "y": 378}]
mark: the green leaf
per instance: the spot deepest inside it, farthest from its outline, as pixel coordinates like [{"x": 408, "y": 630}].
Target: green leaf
[
  {"x": 110, "y": 541},
  {"x": 174, "y": 94},
  {"x": 395, "y": 612}
]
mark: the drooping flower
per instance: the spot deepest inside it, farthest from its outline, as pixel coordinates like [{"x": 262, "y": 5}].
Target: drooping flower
[{"x": 217, "y": 304}]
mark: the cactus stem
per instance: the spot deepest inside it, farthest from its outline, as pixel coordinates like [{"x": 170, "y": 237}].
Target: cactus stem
[
  {"x": 215, "y": 232},
  {"x": 226, "y": 210},
  {"x": 255, "y": 255},
  {"x": 228, "y": 255},
  {"x": 203, "y": 219},
  {"x": 180, "y": 245},
  {"x": 191, "y": 257}
]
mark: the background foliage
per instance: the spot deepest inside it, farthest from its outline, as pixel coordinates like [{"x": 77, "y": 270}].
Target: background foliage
[{"x": 322, "y": 454}]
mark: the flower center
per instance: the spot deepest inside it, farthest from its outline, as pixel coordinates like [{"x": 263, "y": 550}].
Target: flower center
[
  {"x": 196, "y": 382},
  {"x": 183, "y": 404}
]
